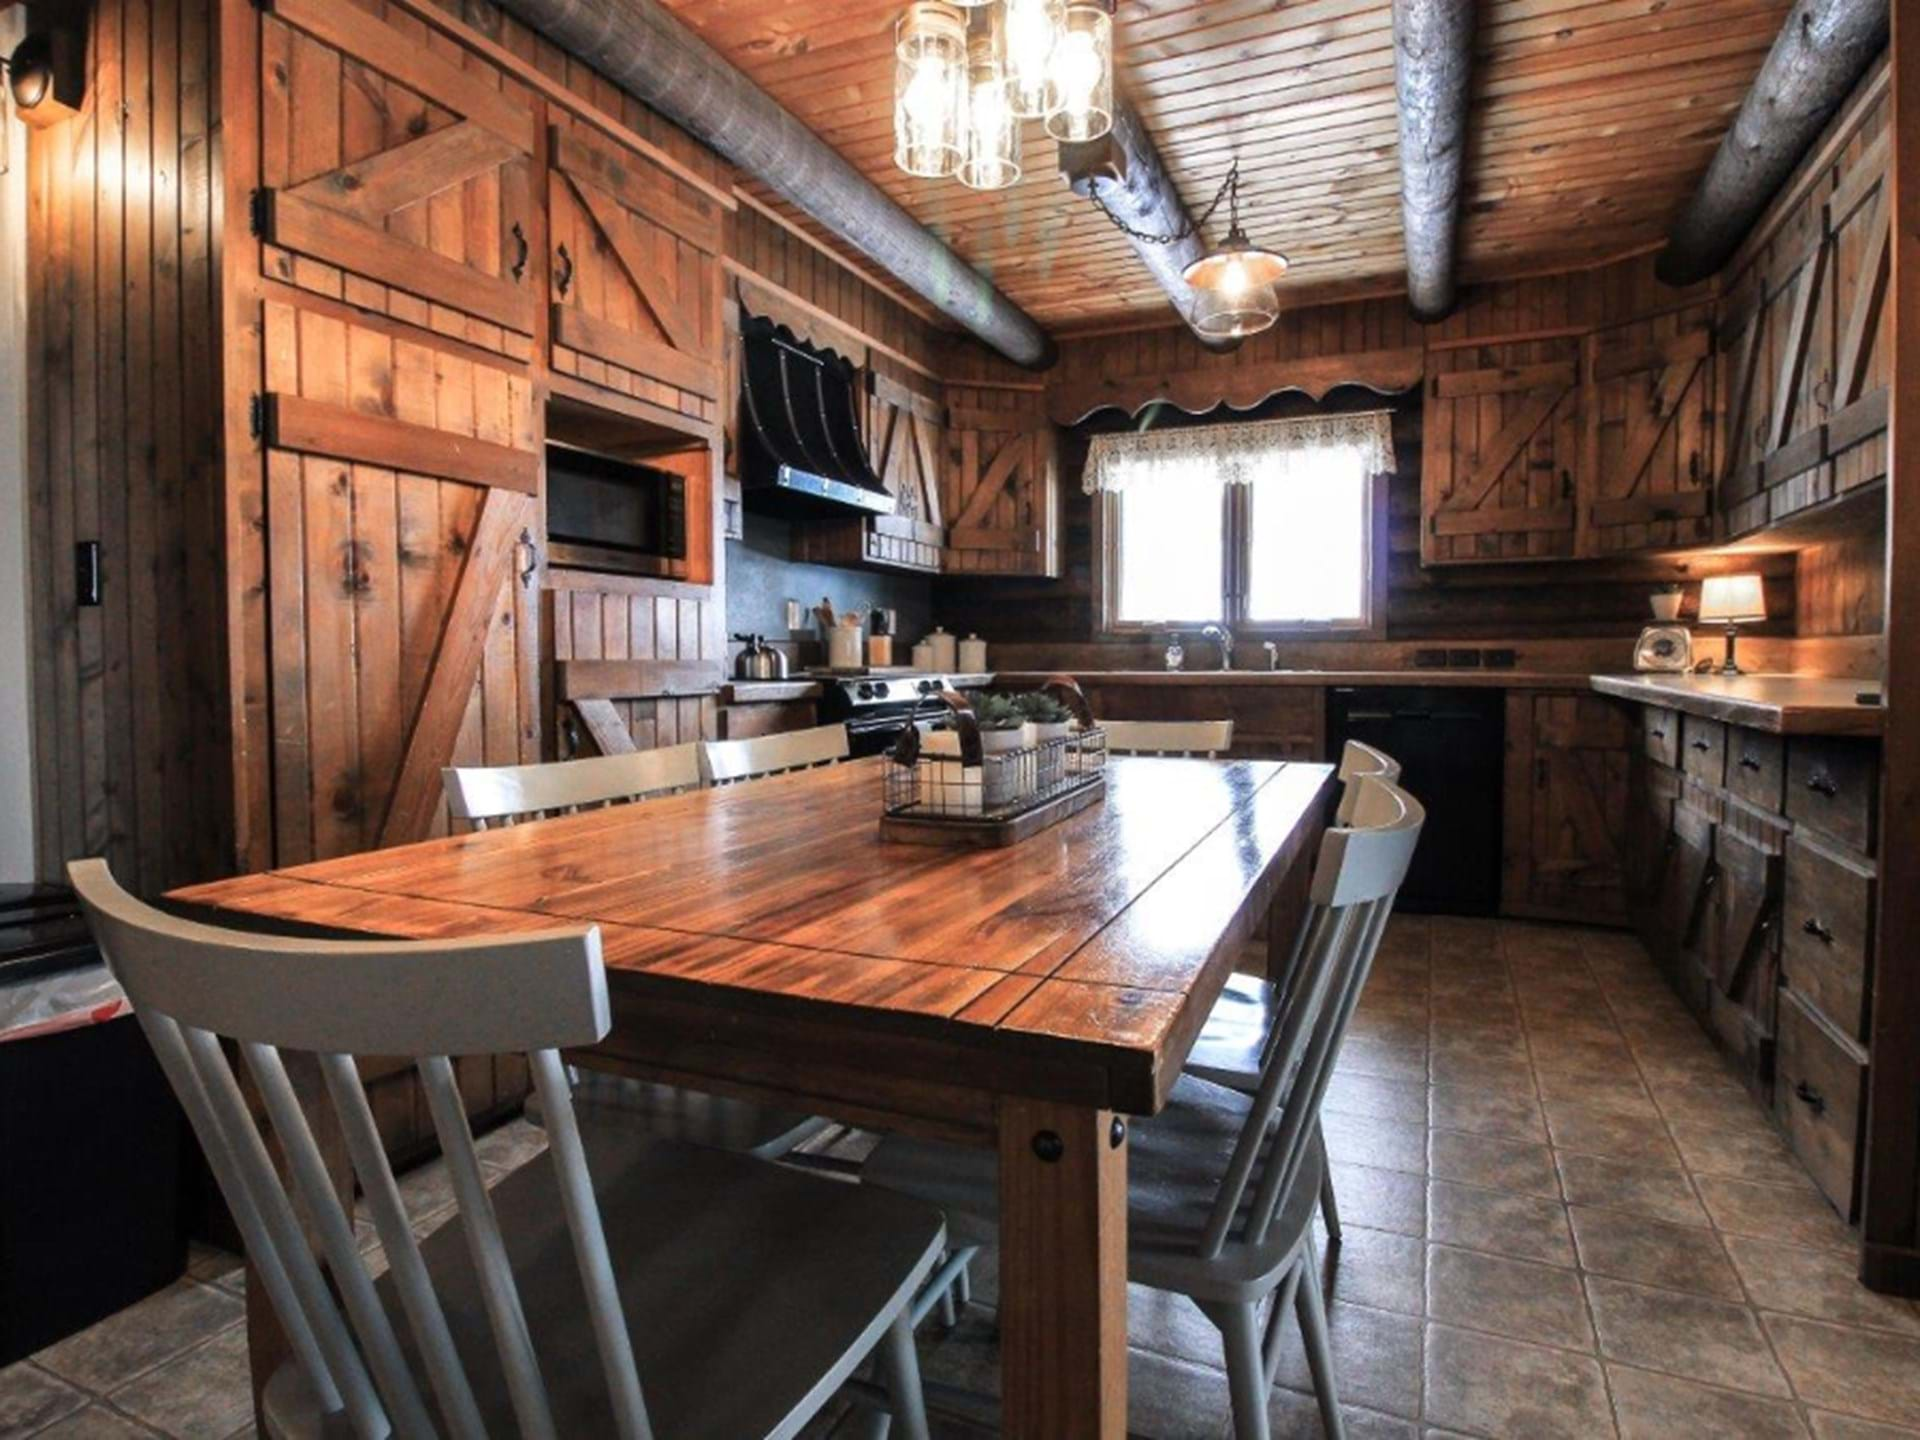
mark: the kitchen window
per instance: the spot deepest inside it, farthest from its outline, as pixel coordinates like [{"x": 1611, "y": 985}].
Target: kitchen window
[{"x": 1268, "y": 526}]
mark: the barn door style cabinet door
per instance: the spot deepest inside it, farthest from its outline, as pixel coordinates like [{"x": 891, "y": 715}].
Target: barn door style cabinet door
[
  {"x": 1504, "y": 438},
  {"x": 1804, "y": 373},
  {"x": 1567, "y": 824},
  {"x": 635, "y": 275},
  {"x": 1001, "y": 496},
  {"x": 1647, "y": 474},
  {"x": 394, "y": 173}
]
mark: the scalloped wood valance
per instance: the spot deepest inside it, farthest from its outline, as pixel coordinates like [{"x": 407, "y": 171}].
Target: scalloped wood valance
[{"x": 1385, "y": 372}]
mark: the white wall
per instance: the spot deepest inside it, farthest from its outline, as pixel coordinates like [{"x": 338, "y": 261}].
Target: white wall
[{"x": 16, "y": 727}]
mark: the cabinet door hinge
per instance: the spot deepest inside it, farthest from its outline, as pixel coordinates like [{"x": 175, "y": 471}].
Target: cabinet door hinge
[
  {"x": 260, "y": 213},
  {"x": 257, "y": 415}
]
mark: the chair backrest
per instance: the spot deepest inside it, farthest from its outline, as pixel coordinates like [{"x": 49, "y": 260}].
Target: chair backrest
[
  {"x": 1358, "y": 873},
  {"x": 1356, "y": 759},
  {"x": 1210, "y": 738},
  {"x": 725, "y": 761},
  {"x": 191, "y": 985},
  {"x": 504, "y": 794}
]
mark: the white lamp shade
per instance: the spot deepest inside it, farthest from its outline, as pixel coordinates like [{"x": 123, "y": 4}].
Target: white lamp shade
[{"x": 1732, "y": 599}]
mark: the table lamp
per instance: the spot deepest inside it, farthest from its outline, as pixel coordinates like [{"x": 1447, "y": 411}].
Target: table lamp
[{"x": 1734, "y": 600}]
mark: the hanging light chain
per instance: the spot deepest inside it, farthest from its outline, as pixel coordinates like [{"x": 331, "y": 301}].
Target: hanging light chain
[{"x": 1228, "y": 187}]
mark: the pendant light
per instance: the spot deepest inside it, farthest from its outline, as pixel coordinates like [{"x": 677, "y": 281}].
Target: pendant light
[
  {"x": 1033, "y": 34},
  {"x": 929, "y": 90},
  {"x": 992, "y": 159},
  {"x": 1233, "y": 282},
  {"x": 1083, "y": 73}
]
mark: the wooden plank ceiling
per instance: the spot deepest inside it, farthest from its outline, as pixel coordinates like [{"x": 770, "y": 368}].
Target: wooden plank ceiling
[{"x": 1592, "y": 121}]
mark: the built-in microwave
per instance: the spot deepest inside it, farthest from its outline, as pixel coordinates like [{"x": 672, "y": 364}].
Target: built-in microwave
[{"x": 609, "y": 514}]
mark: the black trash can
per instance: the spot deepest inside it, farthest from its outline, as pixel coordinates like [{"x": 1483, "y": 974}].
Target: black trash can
[{"x": 91, "y": 1213}]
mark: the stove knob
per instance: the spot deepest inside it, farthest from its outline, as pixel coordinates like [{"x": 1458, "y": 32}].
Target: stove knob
[
  {"x": 881, "y": 689},
  {"x": 866, "y": 691},
  {"x": 926, "y": 687}
]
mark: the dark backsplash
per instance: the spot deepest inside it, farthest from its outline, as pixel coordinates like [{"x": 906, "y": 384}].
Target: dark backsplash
[{"x": 761, "y": 578}]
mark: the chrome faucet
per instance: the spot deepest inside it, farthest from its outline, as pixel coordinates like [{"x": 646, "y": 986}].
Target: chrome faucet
[
  {"x": 1224, "y": 637},
  {"x": 1273, "y": 654}
]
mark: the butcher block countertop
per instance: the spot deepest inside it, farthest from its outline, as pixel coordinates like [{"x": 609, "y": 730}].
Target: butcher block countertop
[{"x": 1778, "y": 704}]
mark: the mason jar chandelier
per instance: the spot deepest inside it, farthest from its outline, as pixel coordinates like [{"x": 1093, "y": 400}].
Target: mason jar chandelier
[{"x": 968, "y": 72}]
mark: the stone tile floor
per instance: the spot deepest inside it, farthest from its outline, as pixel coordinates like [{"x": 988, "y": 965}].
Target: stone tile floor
[{"x": 1563, "y": 1218}]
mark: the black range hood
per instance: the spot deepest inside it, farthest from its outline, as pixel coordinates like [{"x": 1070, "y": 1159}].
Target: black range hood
[{"x": 800, "y": 448}]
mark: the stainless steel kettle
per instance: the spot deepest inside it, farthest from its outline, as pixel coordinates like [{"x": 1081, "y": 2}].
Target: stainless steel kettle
[{"x": 759, "y": 661}]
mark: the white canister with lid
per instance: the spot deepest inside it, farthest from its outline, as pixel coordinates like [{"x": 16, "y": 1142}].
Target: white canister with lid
[
  {"x": 973, "y": 656},
  {"x": 945, "y": 649},
  {"x": 843, "y": 647},
  {"x": 923, "y": 657}
]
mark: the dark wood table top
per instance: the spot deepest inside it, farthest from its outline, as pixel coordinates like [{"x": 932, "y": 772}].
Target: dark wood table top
[{"x": 1095, "y": 947}]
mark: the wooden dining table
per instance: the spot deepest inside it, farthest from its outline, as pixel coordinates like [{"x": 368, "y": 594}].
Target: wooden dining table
[{"x": 763, "y": 940}]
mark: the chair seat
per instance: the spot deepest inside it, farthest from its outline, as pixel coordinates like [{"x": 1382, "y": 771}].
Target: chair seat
[
  {"x": 1174, "y": 1164},
  {"x": 1228, "y": 1051},
  {"x": 668, "y": 1112},
  {"x": 751, "y": 1291}
]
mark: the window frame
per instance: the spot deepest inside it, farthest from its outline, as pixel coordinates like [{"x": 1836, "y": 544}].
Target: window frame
[{"x": 1236, "y": 536}]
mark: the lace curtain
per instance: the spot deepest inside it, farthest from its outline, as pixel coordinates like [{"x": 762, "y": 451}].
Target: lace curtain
[{"x": 1257, "y": 452}]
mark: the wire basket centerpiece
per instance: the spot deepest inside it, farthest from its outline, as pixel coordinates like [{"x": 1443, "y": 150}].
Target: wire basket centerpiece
[{"x": 1005, "y": 768}]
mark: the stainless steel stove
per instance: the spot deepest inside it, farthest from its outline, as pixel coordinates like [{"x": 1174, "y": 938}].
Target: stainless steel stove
[{"x": 876, "y": 708}]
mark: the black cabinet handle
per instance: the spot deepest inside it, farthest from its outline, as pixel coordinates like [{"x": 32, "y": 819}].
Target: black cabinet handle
[
  {"x": 1811, "y": 1098},
  {"x": 563, "y": 273},
  {"x": 1819, "y": 932},
  {"x": 1747, "y": 762},
  {"x": 1821, "y": 783},
  {"x": 1702, "y": 746},
  {"x": 1658, "y": 734}
]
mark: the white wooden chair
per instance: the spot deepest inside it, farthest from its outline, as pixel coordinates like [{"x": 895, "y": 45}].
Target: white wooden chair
[
  {"x": 493, "y": 1326},
  {"x": 1208, "y": 738},
  {"x": 1221, "y": 1185},
  {"x": 508, "y": 794},
  {"x": 1245, "y": 1021},
  {"x": 724, "y": 762}
]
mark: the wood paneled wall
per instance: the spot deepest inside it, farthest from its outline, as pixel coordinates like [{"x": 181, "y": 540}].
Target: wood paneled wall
[
  {"x": 131, "y": 730},
  {"x": 1489, "y": 603}
]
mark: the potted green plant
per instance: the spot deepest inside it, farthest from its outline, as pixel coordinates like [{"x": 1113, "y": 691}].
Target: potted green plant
[
  {"x": 1050, "y": 722},
  {"x": 1004, "y": 732}
]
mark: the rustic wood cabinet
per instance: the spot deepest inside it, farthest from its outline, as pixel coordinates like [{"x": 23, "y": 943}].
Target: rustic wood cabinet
[
  {"x": 1753, "y": 884},
  {"x": 1000, "y": 486},
  {"x": 1567, "y": 816},
  {"x": 1647, "y": 472}
]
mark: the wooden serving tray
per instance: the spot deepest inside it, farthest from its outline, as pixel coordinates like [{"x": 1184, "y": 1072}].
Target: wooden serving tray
[{"x": 988, "y": 832}]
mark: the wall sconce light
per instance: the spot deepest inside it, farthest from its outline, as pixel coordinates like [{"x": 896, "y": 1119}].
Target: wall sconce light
[
  {"x": 1733, "y": 600},
  {"x": 47, "y": 75}
]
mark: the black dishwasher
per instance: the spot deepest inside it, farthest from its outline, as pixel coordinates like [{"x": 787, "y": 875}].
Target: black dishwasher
[{"x": 1451, "y": 741}]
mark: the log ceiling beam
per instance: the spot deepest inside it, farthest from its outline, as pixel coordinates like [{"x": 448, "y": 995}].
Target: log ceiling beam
[
  {"x": 1819, "y": 56},
  {"x": 643, "y": 48},
  {"x": 1124, "y": 169},
  {"x": 1432, "y": 57}
]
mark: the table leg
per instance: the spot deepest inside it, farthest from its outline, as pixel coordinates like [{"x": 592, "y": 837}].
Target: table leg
[{"x": 1063, "y": 1272}]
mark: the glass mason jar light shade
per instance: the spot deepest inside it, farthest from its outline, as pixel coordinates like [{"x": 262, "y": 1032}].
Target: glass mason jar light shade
[
  {"x": 1033, "y": 34},
  {"x": 929, "y": 90},
  {"x": 1083, "y": 73},
  {"x": 993, "y": 131}
]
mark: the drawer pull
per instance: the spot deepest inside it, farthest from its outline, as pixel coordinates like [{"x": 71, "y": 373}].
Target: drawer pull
[
  {"x": 1811, "y": 1098},
  {"x": 1702, "y": 746},
  {"x": 1819, "y": 932},
  {"x": 1747, "y": 762},
  {"x": 1821, "y": 783},
  {"x": 1658, "y": 734}
]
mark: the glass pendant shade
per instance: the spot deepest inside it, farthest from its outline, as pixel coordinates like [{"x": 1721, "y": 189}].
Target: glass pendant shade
[
  {"x": 993, "y": 131},
  {"x": 930, "y": 90},
  {"x": 1033, "y": 34},
  {"x": 1218, "y": 315},
  {"x": 1083, "y": 73}
]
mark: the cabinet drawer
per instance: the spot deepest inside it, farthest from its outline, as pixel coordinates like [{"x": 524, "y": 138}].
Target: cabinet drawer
[
  {"x": 1833, "y": 787},
  {"x": 1661, "y": 731},
  {"x": 1703, "y": 749},
  {"x": 1818, "y": 1088},
  {"x": 1756, "y": 767},
  {"x": 1828, "y": 932}
]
